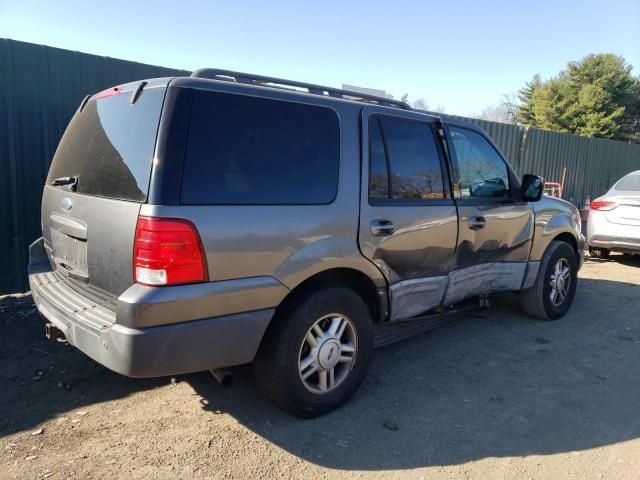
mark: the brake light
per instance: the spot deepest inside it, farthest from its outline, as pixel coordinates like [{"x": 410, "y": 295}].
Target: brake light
[
  {"x": 109, "y": 92},
  {"x": 168, "y": 251},
  {"x": 602, "y": 205}
]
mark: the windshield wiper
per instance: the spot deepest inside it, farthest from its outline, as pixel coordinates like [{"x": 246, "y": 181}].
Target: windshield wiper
[{"x": 59, "y": 182}]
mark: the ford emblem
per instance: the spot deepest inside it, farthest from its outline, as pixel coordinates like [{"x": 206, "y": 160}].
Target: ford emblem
[{"x": 66, "y": 203}]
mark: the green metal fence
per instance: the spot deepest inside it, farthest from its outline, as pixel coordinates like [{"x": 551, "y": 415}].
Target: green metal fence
[
  {"x": 40, "y": 88},
  {"x": 592, "y": 165}
]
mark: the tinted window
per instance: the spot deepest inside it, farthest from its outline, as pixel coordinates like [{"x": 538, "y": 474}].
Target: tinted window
[
  {"x": 378, "y": 174},
  {"x": 413, "y": 159},
  {"x": 109, "y": 146},
  {"x": 630, "y": 183},
  {"x": 483, "y": 173},
  {"x": 245, "y": 150}
]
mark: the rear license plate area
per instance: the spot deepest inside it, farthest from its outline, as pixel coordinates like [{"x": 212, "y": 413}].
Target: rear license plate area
[{"x": 69, "y": 252}]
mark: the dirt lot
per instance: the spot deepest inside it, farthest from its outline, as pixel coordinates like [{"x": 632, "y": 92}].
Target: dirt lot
[{"x": 494, "y": 396}]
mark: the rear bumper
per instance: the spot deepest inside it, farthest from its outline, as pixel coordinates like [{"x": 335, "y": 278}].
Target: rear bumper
[
  {"x": 617, "y": 237},
  {"x": 151, "y": 351},
  {"x": 616, "y": 244}
]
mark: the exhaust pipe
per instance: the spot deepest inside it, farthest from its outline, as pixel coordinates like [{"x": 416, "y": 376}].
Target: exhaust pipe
[
  {"x": 222, "y": 375},
  {"x": 54, "y": 333}
]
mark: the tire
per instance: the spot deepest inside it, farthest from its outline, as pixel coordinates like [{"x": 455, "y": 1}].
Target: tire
[
  {"x": 279, "y": 365},
  {"x": 598, "y": 252},
  {"x": 537, "y": 301}
]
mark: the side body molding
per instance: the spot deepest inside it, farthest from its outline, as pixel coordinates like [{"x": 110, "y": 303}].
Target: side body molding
[
  {"x": 484, "y": 278},
  {"x": 413, "y": 297},
  {"x": 416, "y": 296}
]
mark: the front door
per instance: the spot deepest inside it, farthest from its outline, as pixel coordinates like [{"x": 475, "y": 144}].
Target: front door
[
  {"x": 495, "y": 228},
  {"x": 408, "y": 225}
]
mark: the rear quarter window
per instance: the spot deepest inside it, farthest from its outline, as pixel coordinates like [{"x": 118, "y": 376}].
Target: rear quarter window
[{"x": 245, "y": 150}]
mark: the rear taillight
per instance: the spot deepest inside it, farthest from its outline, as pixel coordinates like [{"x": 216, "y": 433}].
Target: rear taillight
[
  {"x": 602, "y": 205},
  {"x": 168, "y": 251}
]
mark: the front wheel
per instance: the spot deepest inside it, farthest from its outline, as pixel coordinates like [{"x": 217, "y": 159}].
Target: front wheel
[
  {"x": 316, "y": 353},
  {"x": 552, "y": 293}
]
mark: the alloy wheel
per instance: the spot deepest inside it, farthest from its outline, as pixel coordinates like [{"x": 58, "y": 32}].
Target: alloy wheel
[
  {"x": 560, "y": 282},
  {"x": 328, "y": 353}
]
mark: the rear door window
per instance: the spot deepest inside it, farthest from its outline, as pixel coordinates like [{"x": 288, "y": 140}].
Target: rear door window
[
  {"x": 378, "y": 169},
  {"x": 404, "y": 162},
  {"x": 109, "y": 146},
  {"x": 245, "y": 150}
]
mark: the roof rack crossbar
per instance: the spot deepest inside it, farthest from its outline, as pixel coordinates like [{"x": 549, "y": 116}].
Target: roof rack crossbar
[{"x": 251, "y": 79}]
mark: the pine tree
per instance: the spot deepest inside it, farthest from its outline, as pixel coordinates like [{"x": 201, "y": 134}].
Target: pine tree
[
  {"x": 525, "y": 96},
  {"x": 596, "y": 97}
]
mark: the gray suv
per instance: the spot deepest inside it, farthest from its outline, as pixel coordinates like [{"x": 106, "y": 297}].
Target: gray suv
[{"x": 202, "y": 222}]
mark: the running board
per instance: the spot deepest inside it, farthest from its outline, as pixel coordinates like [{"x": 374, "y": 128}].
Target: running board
[{"x": 390, "y": 332}]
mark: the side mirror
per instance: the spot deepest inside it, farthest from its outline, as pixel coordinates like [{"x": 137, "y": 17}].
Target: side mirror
[{"x": 532, "y": 188}]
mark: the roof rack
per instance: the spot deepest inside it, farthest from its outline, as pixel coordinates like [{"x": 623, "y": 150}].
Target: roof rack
[{"x": 251, "y": 79}]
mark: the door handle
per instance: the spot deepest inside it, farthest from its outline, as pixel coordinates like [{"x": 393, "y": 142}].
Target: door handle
[
  {"x": 477, "y": 223},
  {"x": 382, "y": 228}
]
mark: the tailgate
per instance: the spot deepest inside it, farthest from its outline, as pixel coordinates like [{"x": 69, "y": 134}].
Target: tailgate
[{"x": 98, "y": 179}]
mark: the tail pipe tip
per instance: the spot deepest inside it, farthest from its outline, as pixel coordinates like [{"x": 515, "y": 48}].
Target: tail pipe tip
[
  {"x": 54, "y": 333},
  {"x": 222, "y": 375}
]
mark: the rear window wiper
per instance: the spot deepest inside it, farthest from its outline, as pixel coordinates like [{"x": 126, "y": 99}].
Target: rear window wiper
[{"x": 59, "y": 182}]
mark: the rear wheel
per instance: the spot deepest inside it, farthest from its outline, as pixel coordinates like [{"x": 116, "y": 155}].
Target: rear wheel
[
  {"x": 598, "y": 252},
  {"x": 316, "y": 353},
  {"x": 552, "y": 293}
]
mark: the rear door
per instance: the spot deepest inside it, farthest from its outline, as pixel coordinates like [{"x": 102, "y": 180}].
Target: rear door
[
  {"x": 97, "y": 181},
  {"x": 408, "y": 221},
  {"x": 495, "y": 230}
]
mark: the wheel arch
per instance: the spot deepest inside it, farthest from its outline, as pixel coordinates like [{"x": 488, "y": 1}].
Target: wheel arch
[
  {"x": 568, "y": 237},
  {"x": 560, "y": 226},
  {"x": 374, "y": 296}
]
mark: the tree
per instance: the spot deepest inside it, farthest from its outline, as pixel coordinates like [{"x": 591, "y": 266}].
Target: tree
[
  {"x": 525, "y": 115},
  {"x": 493, "y": 113},
  {"x": 420, "y": 104},
  {"x": 505, "y": 111},
  {"x": 596, "y": 96}
]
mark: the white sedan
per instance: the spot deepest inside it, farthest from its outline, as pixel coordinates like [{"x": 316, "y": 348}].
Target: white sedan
[{"x": 614, "y": 219}]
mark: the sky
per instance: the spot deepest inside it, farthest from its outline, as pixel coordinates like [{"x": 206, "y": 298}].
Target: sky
[{"x": 461, "y": 55}]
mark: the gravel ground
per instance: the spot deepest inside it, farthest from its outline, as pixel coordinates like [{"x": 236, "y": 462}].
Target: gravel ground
[{"x": 497, "y": 395}]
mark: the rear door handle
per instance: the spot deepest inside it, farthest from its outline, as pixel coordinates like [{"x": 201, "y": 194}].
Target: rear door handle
[
  {"x": 477, "y": 223},
  {"x": 382, "y": 228}
]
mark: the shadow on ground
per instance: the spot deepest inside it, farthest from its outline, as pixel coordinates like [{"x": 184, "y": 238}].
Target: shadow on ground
[
  {"x": 494, "y": 386},
  {"x": 502, "y": 385},
  {"x": 40, "y": 379}
]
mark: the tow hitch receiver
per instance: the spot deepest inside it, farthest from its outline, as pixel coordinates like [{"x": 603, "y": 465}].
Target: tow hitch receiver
[{"x": 54, "y": 333}]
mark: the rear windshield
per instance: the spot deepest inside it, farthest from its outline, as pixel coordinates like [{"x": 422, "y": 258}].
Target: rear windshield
[
  {"x": 630, "y": 183},
  {"x": 109, "y": 146},
  {"x": 246, "y": 150}
]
